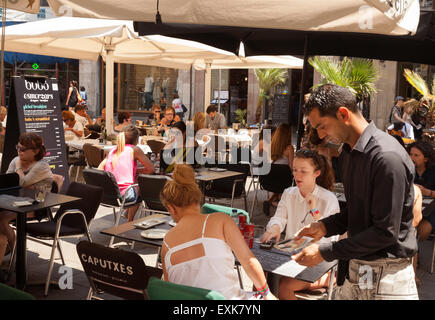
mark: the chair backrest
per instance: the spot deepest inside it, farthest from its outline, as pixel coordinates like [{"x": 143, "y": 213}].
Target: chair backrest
[
  {"x": 149, "y": 189},
  {"x": 211, "y": 208},
  {"x": 90, "y": 201},
  {"x": 163, "y": 290},
  {"x": 278, "y": 179},
  {"x": 9, "y": 181},
  {"x": 226, "y": 185},
  {"x": 94, "y": 155},
  {"x": 156, "y": 145},
  {"x": 115, "y": 271},
  {"x": 57, "y": 183},
  {"x": 107, "y": 181}
]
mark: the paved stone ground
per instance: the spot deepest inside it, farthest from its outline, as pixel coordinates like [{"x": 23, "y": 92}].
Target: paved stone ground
[{"x": 38, "y": 257}]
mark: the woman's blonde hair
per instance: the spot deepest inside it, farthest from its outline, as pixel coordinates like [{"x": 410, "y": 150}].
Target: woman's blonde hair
[
  {"x": 198, "y": 121},
  {"x": 280, "y": 141},
  {"x": 410, "y": 105},
  {"x": 182, "y": 190},
  {"x": 129, "y": 135}
]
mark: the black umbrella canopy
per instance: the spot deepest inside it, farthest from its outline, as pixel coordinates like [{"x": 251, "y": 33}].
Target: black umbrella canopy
[{"x": 419, "y": 48}]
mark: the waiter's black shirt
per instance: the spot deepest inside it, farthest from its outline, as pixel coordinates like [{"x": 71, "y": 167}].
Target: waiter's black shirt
[{"x": 378, "y": 177}]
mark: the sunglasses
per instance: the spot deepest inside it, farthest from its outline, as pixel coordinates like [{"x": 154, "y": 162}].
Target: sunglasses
[{"x": 23, "y": 149}]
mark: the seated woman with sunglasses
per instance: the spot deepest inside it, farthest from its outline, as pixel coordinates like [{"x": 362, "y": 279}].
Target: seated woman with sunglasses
[
  {"x": 299, "y": 206},
  {"x": 33, "y": 172}
]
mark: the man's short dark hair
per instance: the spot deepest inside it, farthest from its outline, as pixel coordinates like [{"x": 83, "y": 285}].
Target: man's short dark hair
[
  {"x": 328, "y": 98},
  {"x": 211, "y": 108},
  {"x": 79, "y": 107}
]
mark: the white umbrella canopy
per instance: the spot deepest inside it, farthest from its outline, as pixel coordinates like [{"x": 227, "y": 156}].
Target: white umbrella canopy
[
  {"x": 114, "y": 40},
  {"x": 367, "y": 16},
  {"x": 254, "y": 62}
]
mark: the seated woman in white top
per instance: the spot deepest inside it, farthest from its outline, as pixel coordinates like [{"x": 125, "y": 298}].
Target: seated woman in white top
[
  {"x": 309, "y": 201},
  {"x": 198, "y": 251}
]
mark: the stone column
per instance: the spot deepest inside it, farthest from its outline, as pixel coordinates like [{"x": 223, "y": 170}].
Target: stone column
[
  {"x": 253, "y": 91},
  {"x": 89, "y": 77}
]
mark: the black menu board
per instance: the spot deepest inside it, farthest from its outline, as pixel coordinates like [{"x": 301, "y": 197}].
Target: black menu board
[
  {"x": 35, "y": 107},
  {"x": 281, "y": 109}
]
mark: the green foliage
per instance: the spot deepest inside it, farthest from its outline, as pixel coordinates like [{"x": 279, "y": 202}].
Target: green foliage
[
  {"x": 269, "y": 78},
  {"x": 358, "y": 75},
  {"x": 241, "y": 116}
]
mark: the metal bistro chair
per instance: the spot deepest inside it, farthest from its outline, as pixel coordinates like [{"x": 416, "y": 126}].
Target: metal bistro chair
[
  {"x": 112, "y": 197},
  {"x": 164, "y": 290},
  {"x": 71, "y": 220},
  {"x": 319, "y": 294},
  {"x": 156, "y": 145},
  {"x": 128, "y": 282},
  {"x": 94, "y": 155},
  {"x": 150, "y": 187}
]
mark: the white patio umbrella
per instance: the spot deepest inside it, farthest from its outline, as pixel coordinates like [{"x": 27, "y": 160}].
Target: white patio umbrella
[
  {"x": 368, "y": 16},
  {"x": 114, "y": 40}
]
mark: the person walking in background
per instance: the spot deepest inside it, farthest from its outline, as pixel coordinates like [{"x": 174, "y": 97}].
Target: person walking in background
[
  {"x": 396, "y": 114},
  {"x": 378, "y": 177},
  {"x": 83, "y": 94},
  {"x": 73, "y": 94}
]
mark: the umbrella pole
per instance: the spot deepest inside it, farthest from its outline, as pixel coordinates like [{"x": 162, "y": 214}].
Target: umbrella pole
[
  {"x": 300, "y": 130},
  {"x": 207, "y": 88},
  {"x": 2, "y": 76},
  {"x": 109, "y": 90}
]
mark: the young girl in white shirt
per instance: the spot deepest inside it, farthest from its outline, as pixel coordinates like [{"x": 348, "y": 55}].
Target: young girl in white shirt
[{"x": 299, "y": 206}]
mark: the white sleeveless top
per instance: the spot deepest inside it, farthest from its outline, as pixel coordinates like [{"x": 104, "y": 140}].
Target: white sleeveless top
[{"x": 213, "y": 271}]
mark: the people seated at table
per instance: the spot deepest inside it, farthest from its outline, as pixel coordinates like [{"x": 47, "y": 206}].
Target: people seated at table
[
  {"x": 155, "y": 119},
  {"x": 122, "y": 162},
  {"x": 33, "y": 172},
  {"x": 167, "y": 121},
  {"x": 423, "y": 156},
  {"x": 81, "y": 115},
  {"x": 178, "y": 149},
  {"x": 214, "y": 119},
  {"x": 198, "y": 251},
  {"x": 307, "y": 202},
  {"x": 282, "y": 152},
  {"x": 72, "y": 128},
  {"x": 124, "y": 119}
]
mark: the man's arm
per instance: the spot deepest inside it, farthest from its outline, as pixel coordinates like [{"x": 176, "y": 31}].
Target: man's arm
[{"x": 389, "y": 178}]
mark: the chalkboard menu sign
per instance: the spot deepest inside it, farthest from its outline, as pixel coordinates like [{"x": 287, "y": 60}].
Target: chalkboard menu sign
[
  {"x": 35, "y": 107},
  {"x": 281, "y": 109}
]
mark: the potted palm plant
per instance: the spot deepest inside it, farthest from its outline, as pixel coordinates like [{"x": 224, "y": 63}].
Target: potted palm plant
[
  {"x": 358, "y": 75},
  {"x": 241, "y": 117},
  {"x": 267, "y": 80}
]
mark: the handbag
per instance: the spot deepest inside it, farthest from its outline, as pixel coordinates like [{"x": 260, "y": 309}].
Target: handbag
[{"x": 184, "y": 108}]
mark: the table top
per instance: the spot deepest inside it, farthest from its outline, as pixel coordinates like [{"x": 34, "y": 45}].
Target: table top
[
  {"x": 78, "y": 144},
  {"x": 51, "y": 199},
  {"x": 206, "y": 175},
  {"x": 128, "y": 231},
  {"x": 281, "y": 264}
]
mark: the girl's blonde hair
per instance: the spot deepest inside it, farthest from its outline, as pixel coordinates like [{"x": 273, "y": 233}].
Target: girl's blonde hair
[
  {"x": 182, "y": 190},
  {"x": 410, "y": 105},
  {"x": 281, "y": 139}
]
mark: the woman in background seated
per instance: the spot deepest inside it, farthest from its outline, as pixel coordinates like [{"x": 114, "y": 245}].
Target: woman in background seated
[
  {"x": 122, "y": 162},
  {"x": 306, "y": 203},
  {"x": 282, "y": 152},
  {"x": 33, "y": 172},
  {"x": 198, "y": 251}
]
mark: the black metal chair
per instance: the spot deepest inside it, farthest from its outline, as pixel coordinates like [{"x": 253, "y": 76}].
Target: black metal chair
[
  {"x": 150, "y": 187},
  {"x": 231, "y": 187},
  {"x": 71, "y": 220},
  {"x": 277, "y": 180},
  {"x": 128, "y": 281},
  {"x": 112, "y": 197}
]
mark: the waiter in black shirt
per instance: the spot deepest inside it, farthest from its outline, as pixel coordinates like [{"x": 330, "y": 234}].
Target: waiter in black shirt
[{"x": 378, "y": 175}]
